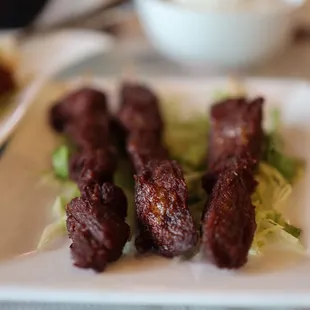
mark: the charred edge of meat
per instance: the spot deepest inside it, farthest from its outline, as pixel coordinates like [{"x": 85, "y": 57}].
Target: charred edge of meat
[
  {"x": 228, "y": 224},
  {"x": 236, "y": 124},
  {"x": 97, "y": 228},
  {"x": 161, "y": 202}
]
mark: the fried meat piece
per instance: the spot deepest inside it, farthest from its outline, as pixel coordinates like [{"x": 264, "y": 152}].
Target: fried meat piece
[
  {"x": 114, "y": 196},
  {"x": 90, "y": 132},
  {"x": 242, "y": 161},
  {"x": 78, "y": 105},
  {"x": 143, "y": 146},
  {"x": 108, "y": 194},
  {"x": 76, "y": 163},
  {"x": 139, "y": 109},
  {"x": 96, "y": 221},
  {"x": 7, "y": 81},
  {"x": 98, "y": 233},
  {"x": 228, "y": 224},
  {"x": 161, "y": 202},
  {"x": 236, "y": 124},
  {"x": 93, "y": 166}
]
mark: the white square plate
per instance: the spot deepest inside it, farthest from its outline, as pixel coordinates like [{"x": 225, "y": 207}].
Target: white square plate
[{"x": 276, "y": 279}]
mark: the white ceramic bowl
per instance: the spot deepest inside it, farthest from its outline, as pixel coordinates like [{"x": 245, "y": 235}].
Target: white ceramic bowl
[{"x": 217, "y": 38}]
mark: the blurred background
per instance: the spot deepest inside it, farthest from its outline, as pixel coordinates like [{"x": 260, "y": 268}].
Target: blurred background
[{"x": 191, "y": 37}]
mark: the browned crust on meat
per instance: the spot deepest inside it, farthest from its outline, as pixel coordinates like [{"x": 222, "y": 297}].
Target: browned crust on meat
[
  {"x": 161, "y": 201},
  {"x": 228, "y": 225}
]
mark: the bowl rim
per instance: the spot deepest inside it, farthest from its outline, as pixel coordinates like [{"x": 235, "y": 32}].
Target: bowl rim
[{"x": 292, "y": 7}]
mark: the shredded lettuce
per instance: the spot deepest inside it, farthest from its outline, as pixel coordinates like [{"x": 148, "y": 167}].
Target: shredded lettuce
[
  {"x": 290, "y": 167},
  {"x": 51, "y": 232},
  {"x": 181, "y": 138},
  {"x": 58, "y": 227},
  {"x": 186, "y": 140},
  {"x": 271, "y": 194},
  {"x": 272, "y": 189},
  {"x": 58, "y": 207},
  {"x": 60, "y": 161}
]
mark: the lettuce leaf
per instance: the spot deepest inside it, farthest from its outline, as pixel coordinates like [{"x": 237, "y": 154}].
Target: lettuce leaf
[
  {"x": 187, "y": 144},
  {"x": 272, "y": 192},
  {"x": 181, "y": 137},
  {"x": 51, "y": 232},
  {"x": 290, "y": 167},
  {"x": 58, "y": 227},
  {"x": 60, "y": 162}
]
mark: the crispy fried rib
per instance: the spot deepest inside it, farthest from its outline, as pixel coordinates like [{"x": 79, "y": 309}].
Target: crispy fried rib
[
  {"x": 83, "y": 116},
  {"x": 96, "y": 221},
  {"x": 77, "y": 106},
  {"x": 236, "y": 134},
  {"x": 139, "y": 109},
  {"x": 161, "y": 201},
  {"x": 229, "y": 220},
  {"x": 165, "y": 222},
  {"x": 236, "y": 142},
  {"x": 97, "y": 230}
]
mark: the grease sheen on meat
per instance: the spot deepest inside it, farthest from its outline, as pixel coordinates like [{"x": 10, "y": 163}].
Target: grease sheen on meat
[
  {"x": 236, "y": 124},
  {"x": 228, "y": 224},
  {"x": 161, "y": 201}
]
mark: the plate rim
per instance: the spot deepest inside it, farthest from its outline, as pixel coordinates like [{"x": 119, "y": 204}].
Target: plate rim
[{"x": 300, "y": 298}]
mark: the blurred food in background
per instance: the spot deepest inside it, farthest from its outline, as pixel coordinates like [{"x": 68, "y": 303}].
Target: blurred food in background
[{"x": 9, "y": 62}]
